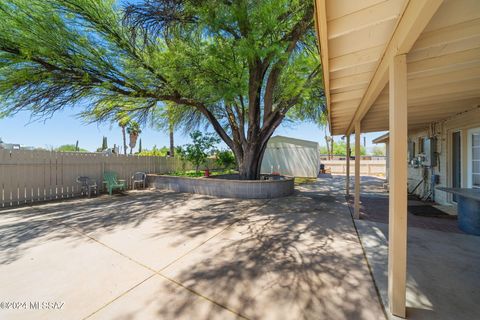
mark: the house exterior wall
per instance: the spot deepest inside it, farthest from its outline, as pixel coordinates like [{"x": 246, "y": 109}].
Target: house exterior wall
[
  {"x": 443, "y": 131},
  {"x": 419, "y": 177}
]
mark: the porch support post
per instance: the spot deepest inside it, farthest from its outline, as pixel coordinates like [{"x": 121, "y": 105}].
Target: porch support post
[
  {"x": 356, "y": 213},
  {"x": 397, "y": 227},
  {"x": 347, "y": 178}
]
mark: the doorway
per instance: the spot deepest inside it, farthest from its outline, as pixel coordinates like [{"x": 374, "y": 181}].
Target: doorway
[{"x": 456, "y": 162}]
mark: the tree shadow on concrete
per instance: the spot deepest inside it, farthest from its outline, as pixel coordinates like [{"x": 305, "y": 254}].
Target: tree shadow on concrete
[
  {"x": 28, "y": 227},
  {"x": 294, "y": 257}
]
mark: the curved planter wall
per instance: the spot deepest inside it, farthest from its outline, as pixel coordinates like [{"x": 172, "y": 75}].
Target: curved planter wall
[{"x": 226, "y": 188}]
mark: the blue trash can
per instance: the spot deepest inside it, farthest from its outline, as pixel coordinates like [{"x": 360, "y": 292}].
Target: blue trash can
[{"x": 469, "y": 215}]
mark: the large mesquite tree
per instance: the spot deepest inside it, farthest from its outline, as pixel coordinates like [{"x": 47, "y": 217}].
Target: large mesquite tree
[{"x": 239, "y": 66}]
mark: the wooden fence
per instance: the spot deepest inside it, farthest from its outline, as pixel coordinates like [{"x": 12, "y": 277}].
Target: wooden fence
[
  {"x": 367, "y": 167},
  {"x": 32, "y": 176}
]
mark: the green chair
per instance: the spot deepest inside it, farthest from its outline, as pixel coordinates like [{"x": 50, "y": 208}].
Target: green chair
[{"x": 110, "y": 180}]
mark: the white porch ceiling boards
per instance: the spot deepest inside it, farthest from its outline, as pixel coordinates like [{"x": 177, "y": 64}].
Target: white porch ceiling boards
[
  {"x": 443, "y": 61},
  {"x": 352, "y": 40}
]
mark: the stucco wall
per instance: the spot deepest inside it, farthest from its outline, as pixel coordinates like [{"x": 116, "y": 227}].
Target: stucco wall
[
  {"x": 444, "y": 130},
  {"x": 415, "y": 175}
]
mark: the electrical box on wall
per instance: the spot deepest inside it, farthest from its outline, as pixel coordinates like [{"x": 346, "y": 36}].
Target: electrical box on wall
[{"x": 429, "y": 158}]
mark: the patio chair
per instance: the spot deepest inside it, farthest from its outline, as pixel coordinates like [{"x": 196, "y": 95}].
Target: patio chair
[
  {"x": 140, "y": 178},
  {"x": 87, "y": 186},
  {"x": 112, "y": 183}
]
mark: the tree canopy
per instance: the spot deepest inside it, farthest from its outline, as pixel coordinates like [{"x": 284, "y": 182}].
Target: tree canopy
[
  {"x": 162, "y": 152},
  {"x": 241, "y": 67},
  {"x": 340, "y": 149},
  {"x": 379, "y": 151},
  {"x": 70, "y": 148}
]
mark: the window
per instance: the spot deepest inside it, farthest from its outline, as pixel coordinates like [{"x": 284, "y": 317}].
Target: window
[{"x": 474, "y": 158}]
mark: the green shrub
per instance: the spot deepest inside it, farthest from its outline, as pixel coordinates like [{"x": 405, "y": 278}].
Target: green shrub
[
  {"x": 225, "y": 159},
  {"x": 70, "y": 148},
  {"x": 162, "y": 152}
]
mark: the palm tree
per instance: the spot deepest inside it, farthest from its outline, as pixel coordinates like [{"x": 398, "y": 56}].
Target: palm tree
[
  {"x": 123, "y": 121},
  {"x": 164, "y": 119},
  {"x": 133, "y": 130},
  {"x": 172, "y": 143}
]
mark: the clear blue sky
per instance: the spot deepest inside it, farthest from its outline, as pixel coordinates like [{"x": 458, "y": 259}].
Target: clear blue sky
[{"x": 65, "y": 128}]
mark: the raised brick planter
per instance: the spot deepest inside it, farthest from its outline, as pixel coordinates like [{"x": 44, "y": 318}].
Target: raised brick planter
[{"x": 223, "y": 187}]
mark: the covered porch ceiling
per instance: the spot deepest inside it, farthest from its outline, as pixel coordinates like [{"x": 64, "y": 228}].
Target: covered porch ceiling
[{"x": 358, "y": 40}]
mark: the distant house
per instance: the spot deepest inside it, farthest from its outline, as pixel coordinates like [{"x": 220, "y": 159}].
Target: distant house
[
  {"x": 9, "y": 146},
  {"x": 292, "y": 157}
]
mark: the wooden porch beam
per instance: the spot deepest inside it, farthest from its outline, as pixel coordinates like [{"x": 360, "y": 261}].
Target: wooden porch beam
[
  {"x": 414, "y": 18},
  {"x": 356, "y": 213},
  {"x": 397, "y": 217},
  {"x": 347, "y": 178},
  {"x": 322, "y": 37}
]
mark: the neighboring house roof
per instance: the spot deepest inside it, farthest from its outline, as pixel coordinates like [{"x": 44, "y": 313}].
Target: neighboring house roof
[
  {"x": 298, "y": 142},
  {"x": 381, "y": 139},
  {"x": 9, "y": 146}
]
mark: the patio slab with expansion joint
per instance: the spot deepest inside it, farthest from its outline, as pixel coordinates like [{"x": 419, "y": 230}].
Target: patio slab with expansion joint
[{"x": 167, "y": 255}]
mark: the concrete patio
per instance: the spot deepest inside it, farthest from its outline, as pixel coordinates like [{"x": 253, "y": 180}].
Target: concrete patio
[
  {"x": 166, "y": 255},
  {"x": 443, "y": 274}
]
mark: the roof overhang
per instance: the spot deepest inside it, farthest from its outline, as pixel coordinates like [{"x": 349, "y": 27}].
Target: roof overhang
[
  {"x": 381, "y": 139},
  {"x": 358, "y": 40}
]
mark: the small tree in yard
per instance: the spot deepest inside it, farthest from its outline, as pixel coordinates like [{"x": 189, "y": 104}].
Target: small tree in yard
[
  {"x": 225, "y": 159},
  {"x": 198, "y": 151}
]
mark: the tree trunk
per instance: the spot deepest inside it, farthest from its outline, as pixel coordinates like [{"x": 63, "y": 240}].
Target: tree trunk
[
  {"x": 249, "y": 165},
  {"x": 133, "y": 141},
  {"x": 172, "y": 144},
  {"x": 124, "y": 141},
  {"x": 331, "y": 149}
]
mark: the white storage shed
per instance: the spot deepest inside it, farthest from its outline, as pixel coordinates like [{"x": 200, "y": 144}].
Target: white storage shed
[{"x": 292, "y": 157}]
